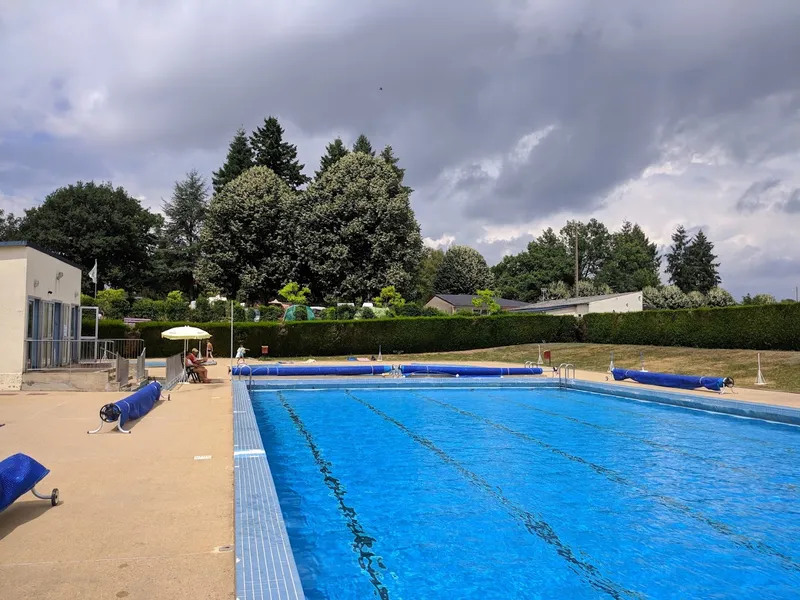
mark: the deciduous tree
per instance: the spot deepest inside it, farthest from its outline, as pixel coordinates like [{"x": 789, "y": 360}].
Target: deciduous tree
[
  {"x": 85, "y": 222},
  {"x": 359, "y": 231},
  {"x": 463, "y": 271},
  {"x": 633, "y": 262},
  {"x": 249, "y": 235}
]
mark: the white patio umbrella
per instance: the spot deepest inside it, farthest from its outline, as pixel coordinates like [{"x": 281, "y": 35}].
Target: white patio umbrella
[{"x": 185, "y": 333}]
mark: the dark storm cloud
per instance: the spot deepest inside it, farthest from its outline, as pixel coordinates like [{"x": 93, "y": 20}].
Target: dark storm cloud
[
  {"x": 753, "y": 198},
  {"x": 792, "y": 205}
]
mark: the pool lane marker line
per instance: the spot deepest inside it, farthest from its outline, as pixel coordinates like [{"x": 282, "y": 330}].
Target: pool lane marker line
[
  {"x": 362, "y": 542},
  {"x": 718, "y": 526},
  {"x": 535, "y": 524}
]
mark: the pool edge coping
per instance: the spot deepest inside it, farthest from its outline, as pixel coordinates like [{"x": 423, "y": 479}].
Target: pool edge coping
[{"x": 258, "y": 519}]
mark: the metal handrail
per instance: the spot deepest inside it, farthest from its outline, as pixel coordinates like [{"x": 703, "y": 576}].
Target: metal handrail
[{"x": 566, "y": 367}]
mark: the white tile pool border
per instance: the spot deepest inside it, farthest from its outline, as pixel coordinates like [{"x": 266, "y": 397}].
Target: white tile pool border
[{"x": 265, "y": 566}]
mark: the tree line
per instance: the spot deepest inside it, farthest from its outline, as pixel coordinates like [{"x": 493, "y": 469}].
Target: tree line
[{"x": 346, "y": 233}]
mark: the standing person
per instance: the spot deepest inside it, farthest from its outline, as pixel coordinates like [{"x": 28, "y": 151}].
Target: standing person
[
  {"x": 240, "y": 360},
  {"x": 209, "y": 350}
]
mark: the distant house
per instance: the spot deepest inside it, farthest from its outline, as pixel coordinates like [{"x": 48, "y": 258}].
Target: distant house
[
  {"x": 626, "y": 302},
  {"x": 452, "y": 303}
]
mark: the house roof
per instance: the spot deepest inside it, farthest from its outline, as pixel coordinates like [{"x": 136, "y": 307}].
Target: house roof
[
  {"x": 43, "y": 251},
  {"x": 466, "y": 300},
  {"x": 565, "y": 302}
]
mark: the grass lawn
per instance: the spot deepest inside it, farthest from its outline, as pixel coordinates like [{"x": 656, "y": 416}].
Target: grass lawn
[{"x": 780, "y": 369}]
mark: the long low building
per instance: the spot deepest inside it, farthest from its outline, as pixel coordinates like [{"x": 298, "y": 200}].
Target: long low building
[
  {"x": 452, "y": 303},
  {"x": 608, "y": 303}
]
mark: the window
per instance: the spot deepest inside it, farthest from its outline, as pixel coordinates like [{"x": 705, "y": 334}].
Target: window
[{"x": 31, "y": 319}]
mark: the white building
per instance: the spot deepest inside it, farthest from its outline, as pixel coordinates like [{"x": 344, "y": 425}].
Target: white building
[
  {"x": 609, "y": 303},
  {"x": 40, "y": 299}
]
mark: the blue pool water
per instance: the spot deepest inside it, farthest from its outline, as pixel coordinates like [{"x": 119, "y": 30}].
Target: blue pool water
[{"x": 513, "y": 493}]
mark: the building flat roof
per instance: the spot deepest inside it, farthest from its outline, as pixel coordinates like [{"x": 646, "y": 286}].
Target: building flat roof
[
  {"x": 466, "y": 300},
  {"x": 564, "y": 302},
  {"x": 38, "y": 248}
]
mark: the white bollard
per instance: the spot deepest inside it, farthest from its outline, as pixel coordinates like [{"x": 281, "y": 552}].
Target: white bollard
[{"x": 760, "y": 378}]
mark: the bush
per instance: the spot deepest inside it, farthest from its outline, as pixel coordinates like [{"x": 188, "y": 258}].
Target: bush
[
  {"x": 406, "y": 335},
  {"x": 270, "y": 312},
  {"x": 345, "y": 312},
  {"x": 431, "y": 311},
  {"x": 765, "y": 327},
  {"x": 365, "y": 313},
  {"x": 408, "y": 310}
]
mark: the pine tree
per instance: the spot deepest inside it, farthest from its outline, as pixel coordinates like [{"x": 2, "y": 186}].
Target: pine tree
[
  {"x": 677, "y": 268},
  {"x": 388, "y": 156},
  {"x": 700, "y": 264},
  {"x": 335, "y": 150},
  {"x": 272, "y": 152},
  {"x": 185, "y": 212},
  {"x": 240, "y": 158},
  {"x": 363, "y": 145}
]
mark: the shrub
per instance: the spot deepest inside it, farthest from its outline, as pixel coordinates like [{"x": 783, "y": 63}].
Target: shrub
[
  {"x": 431, "y": 311},
  {"x": 345, "y": 312},
  {"x": 408, "y": 310},
  {"x": 270, "y": 312},
  {"x": 365, "y": 312}
]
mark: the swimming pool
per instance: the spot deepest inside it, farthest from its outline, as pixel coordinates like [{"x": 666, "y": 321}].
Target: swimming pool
[{"x": 502, "y": 492}]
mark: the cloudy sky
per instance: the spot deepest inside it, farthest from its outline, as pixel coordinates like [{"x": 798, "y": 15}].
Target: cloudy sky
[{"x": 510, "y": 116}]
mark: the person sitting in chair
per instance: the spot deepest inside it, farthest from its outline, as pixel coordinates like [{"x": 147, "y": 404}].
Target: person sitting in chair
[{"x": 197, "y": 366}]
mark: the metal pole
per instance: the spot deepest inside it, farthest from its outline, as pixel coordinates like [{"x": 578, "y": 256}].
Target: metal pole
[
  {"x": 576, "y": 260},
  {"x": 231, "y": 336}
]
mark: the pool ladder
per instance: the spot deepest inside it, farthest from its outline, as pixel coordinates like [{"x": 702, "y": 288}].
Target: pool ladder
[{"x": 564, "y": 378}]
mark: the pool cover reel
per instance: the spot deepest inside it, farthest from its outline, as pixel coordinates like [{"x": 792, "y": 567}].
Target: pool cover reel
[
  {"x": 19, "y": 475},
  {"x": 467, "y": 371},
  {"x": 131, "y": 408},
  {"x": 247, "y": 370},
  {"x": 684, "y": 382}
]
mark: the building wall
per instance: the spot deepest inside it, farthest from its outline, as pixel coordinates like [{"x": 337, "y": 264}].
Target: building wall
[
  {"x": 43, "y": 270},
  {"x": 628, "y": 303},
  {"x": 13, "y": 307},
  {"x": 443, "y": 306}
]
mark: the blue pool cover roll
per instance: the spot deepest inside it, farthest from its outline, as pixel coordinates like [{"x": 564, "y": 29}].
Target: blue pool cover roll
[
  {"x": 468, "y": 371},
  {"x": 684, "y": 382},
  {"x": 308, "y": 371},
  {"x": 139, "y": 403},
  {"x": 18, "y": 474}
]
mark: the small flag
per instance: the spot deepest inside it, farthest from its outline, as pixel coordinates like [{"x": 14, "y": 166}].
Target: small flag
[{"x": 93, "y": 272}]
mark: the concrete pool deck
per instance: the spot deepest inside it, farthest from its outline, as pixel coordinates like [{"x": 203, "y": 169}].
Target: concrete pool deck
[{"x": 140, "y": 517}]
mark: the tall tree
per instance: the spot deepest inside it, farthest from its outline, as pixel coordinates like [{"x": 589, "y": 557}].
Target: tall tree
[
  {"x": 334, "y": 151},
  {"x": 634, "y": 262},
  {"x": 362, "y": 144},
  {"x": 185, "y": 212},
  {"x": 271, "y": 151},
  {"x": 676, "y": 260},
  {"x": 248, "y": 238},
  {"x": 426, "y": 273},
  {"x": 545, "y": 261},
  {"x": 700, "y": 264},
  {"x": 9, "y": 227},
  {"x": 239, "y": 159},
  {"x": 88, "y": 221},
  {"x": 463, "y": 271},
  {"x": 387, "y": 154},
  {"x": 359, "y": 232},
  {"x": 594, "y": 245}
]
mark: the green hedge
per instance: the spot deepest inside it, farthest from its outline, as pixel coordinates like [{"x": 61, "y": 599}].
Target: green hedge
[
  {"x": 765, "y": 327},
  {"x": 401, "y": 334}
]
